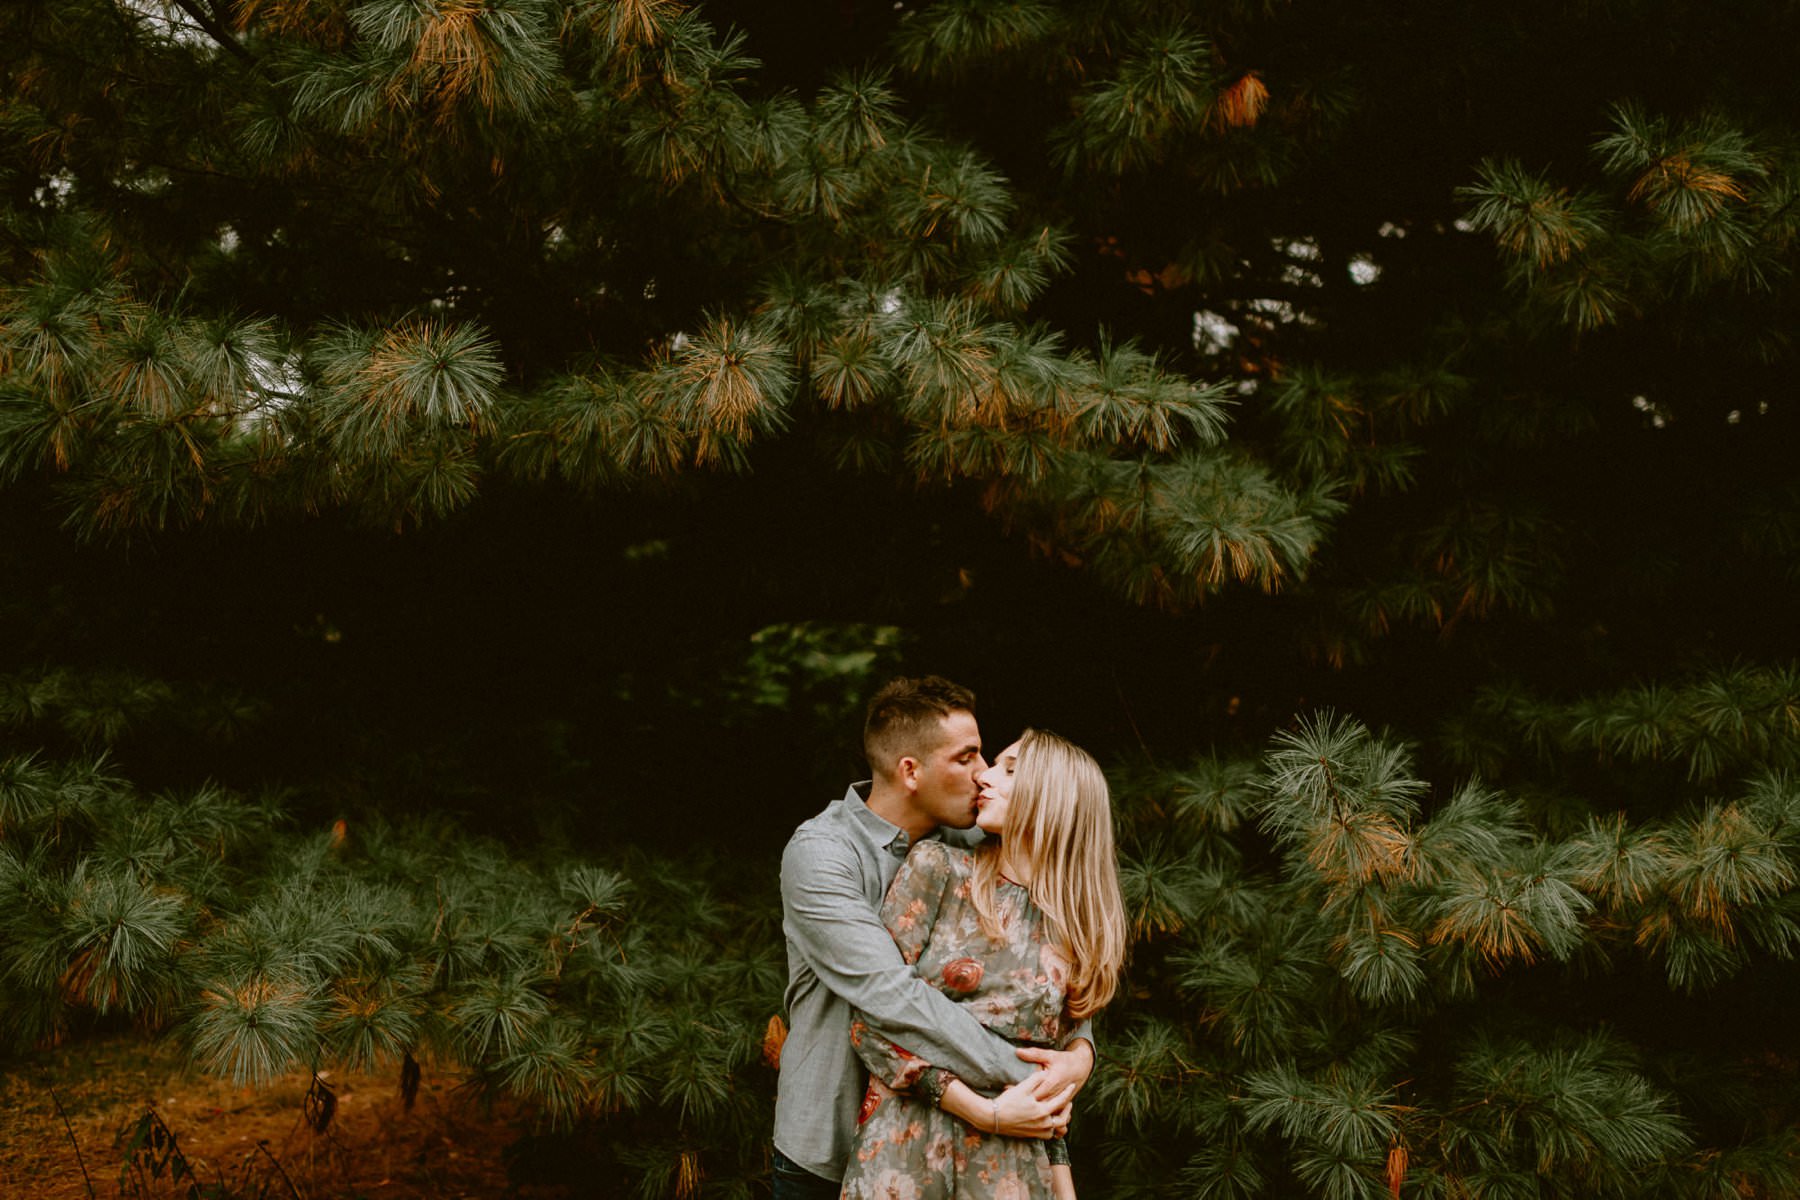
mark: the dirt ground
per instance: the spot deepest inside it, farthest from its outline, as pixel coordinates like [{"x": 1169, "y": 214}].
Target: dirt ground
[{"x": 443, "y": 1148}]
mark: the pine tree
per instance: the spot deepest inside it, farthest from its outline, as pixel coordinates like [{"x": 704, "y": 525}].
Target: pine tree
[
  {"x": 163, "y": 412},
  {"x": 457, "y": 459},
  {"x": 1346, "y": 981}
]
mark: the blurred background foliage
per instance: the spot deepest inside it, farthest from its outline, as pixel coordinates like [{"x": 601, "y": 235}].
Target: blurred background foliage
[{"x": 464, "y": 464}]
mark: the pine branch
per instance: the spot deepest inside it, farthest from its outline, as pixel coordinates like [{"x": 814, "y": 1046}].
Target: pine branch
[{"x": 216, "y": 29}]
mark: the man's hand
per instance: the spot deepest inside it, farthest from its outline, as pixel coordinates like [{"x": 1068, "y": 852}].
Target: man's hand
[
  {"x": 1064, "y": 1068},
  {"x": 1029, "y": 1109}
]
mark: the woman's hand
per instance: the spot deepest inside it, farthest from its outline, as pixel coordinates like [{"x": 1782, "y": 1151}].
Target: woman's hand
[
  {"x": 1032, "y": 1108},
  {"x": 1066, "y": 1068}
]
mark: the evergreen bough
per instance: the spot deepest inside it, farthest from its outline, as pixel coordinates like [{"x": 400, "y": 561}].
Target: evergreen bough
[{"x": 1344, "y": 980}]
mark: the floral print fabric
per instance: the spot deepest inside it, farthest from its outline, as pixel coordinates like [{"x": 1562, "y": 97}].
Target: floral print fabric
[{"x": 1015, "y": 985}]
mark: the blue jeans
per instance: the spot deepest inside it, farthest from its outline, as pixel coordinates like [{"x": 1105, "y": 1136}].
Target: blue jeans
[{"x": 794, "y": 1182}]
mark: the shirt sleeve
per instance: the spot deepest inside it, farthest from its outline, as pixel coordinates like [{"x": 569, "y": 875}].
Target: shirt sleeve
[{"x": 856, "y": 957}]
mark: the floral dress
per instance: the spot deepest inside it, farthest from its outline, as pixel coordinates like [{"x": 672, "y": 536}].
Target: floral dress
[{"x": 906, "y": 1148}]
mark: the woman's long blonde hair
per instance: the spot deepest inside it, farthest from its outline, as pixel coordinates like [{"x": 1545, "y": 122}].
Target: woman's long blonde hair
[{"x": 1059, "y": 824}]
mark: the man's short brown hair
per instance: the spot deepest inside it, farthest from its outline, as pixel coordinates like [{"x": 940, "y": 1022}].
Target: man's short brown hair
[{"x": 904, "y": 717}]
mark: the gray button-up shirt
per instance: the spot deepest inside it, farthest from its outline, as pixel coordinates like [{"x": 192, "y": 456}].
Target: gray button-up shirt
[{"x": 835, "y": 871}]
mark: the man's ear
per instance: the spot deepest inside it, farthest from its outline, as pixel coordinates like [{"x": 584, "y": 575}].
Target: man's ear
[{"x": 906, "y": 772}]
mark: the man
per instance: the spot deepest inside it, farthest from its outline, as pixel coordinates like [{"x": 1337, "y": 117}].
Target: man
[{"x": 924, "y": 751}]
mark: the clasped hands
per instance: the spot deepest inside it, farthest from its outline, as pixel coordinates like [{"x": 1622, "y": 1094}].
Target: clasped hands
[{"x": 1039, "y": 1105}]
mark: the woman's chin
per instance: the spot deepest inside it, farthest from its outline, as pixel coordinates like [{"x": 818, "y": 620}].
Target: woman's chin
[{"x": 991, "y": 828}]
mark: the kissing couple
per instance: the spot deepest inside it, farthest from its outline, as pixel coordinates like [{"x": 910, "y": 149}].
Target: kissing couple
[{"x": 951, "y": 927}]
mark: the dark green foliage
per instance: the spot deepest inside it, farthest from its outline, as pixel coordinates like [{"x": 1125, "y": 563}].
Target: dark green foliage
[
  {"x": 585, "y": 990},
  {"x": 1361, "y": 1014},
  {"x": 554, "y": 416},
  {"x": 1342, "y": 977},
  {"x": 1705, "y": 210},
  {"x": 163, "y": 412}
]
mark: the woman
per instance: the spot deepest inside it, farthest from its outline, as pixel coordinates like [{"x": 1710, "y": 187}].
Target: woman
[{"x": 1028, "y": 930}]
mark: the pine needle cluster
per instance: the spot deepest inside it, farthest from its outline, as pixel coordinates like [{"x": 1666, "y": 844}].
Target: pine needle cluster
[
  {"x": 1699, "y": 208},
  {"x": 379, "y": 947},
  {"x": 1349, "y": 1008},
  {"x": 1724, "y": 722},
  {"x": 1345, "y": 981},
  {"x": 900, "y": 337}
]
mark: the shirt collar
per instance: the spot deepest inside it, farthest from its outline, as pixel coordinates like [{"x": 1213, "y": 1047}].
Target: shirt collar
[{"x": 882, "y": 834}]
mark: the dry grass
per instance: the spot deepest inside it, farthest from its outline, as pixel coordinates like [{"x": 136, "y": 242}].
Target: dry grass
[{"x": 444, "y": 1147}]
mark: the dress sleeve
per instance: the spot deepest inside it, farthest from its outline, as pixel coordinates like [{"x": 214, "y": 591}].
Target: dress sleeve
[{"x": 909, "y": 911}]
